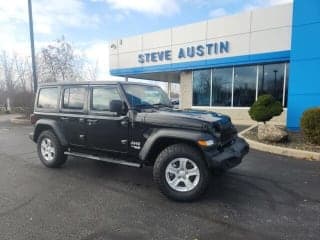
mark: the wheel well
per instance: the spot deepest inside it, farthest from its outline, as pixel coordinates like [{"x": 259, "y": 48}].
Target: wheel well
[
  {"x": 162, "y": 143},
  {"x": 40, "y": 129}
]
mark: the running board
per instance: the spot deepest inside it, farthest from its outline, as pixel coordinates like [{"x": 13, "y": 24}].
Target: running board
[{"x": 109, "y": 160}]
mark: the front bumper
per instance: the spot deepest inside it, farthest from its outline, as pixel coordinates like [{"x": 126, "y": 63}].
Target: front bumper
[{"x": 229, "y": 156}]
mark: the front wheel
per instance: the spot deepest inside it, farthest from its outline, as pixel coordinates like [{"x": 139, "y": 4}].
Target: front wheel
[{"x": 181, "y": 173}]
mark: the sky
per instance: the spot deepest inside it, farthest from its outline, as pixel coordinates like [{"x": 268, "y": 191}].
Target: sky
[{"x": 90, "y": 24}]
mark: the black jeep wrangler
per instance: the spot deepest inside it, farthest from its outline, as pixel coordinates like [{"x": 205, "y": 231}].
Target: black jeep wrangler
[{"x": 135, "y": 124}]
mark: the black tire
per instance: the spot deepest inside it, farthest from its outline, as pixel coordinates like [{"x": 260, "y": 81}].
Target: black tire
[
  {"x": 166, "y": 157},
  {"x": 59, "y": 157}
]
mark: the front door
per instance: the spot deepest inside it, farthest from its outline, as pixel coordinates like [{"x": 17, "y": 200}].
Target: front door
[
  {"x": 73, "y": 106},
  {"x": 106, "y": 130}
]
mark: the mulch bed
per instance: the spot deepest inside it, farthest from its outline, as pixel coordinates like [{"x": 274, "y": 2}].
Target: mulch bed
[{"x": 295, "y": 141}]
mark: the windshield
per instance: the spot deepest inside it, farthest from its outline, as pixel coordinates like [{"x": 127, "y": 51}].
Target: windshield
[{"x": 146, "y": 96}]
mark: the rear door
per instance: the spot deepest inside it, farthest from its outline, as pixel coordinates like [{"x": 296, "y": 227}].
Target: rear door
[
  {"x": 74, "y": 109},
  {"x": 107, "y": 131}
]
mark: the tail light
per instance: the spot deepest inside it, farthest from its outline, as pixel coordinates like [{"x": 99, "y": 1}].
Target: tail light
[{"x": 33, "y": 119}]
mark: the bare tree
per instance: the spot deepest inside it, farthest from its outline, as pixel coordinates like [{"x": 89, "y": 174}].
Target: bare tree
[
  {"x": 56, "y": 62},
  {"x": 23, "y": 73},
  {"x": 8, "y": 76},
  {"x": 59, "y": 62}
]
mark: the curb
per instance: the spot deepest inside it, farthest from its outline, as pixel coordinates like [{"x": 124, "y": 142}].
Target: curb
[
  {"x": 289, "y": 152},
  {"x": 20, "y": 121}
]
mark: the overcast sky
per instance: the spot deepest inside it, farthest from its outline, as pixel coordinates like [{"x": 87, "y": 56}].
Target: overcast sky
[{"x": 90, "y": 24}]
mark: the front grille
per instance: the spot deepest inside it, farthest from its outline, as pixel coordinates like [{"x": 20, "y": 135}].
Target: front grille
[{"x": 227, "y": 135}]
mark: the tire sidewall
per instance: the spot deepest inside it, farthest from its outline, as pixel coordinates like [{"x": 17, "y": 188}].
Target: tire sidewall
[
  {"x": 56, "y": 161},
  {"x": 193, "y": 155}
]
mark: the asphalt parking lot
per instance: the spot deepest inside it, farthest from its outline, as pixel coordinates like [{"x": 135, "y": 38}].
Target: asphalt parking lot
[{"x": 266, "y": 197}]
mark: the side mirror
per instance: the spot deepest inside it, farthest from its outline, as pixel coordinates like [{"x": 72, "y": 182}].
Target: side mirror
[{"x": 116, "y": 106}]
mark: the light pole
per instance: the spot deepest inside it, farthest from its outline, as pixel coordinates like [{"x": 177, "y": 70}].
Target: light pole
[{"x": 33, "y": 60}]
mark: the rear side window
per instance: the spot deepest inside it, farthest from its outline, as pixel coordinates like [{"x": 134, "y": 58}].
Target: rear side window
[
  {"x": 102, "y": 96},
  {"x": 48, "y": 98},
  {"x": 74, "y": 98}
]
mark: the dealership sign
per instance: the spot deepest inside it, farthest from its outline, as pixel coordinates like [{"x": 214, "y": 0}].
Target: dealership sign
[{"x": 187, "y": 52}]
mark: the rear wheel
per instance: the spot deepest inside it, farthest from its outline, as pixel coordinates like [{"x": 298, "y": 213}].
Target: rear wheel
[
  {"x": 50, "y": 151},
  {"x": 181, "y": 173}
]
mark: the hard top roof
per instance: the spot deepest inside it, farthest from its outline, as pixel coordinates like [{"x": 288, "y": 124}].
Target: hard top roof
[{"x": 92, "y": 83}]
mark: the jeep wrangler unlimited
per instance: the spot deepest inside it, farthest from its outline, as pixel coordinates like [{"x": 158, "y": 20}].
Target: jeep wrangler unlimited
[{"x": 134, "y": 124}]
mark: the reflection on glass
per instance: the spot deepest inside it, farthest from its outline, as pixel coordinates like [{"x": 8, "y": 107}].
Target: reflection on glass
[
  {"x": 270, "y": 81},
  {"x": 271, "y": 78},
  {"x": 146, "y": 96},
  {"x": 287, "y": 82},
  {"x": 244, "y": 86},
  {"x": 48, "y": 98},
  {"x": 221, "y": 86},
  {"x": 101, "y": 98},
  {"x": 201, "y": 87},
  {"x": 73, "y": 98}
]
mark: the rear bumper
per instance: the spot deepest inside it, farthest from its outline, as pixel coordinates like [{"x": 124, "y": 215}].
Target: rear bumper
[{"x": 230, "y": 156}]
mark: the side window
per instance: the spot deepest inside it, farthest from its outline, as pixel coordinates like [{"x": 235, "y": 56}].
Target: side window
[
  {"x": 48, "y": 98},
  {"x": 74, "y": 98},
  {"x": 102, "y": 96}
]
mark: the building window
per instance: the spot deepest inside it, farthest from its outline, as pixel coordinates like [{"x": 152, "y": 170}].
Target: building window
[
  {"x": 221, "y": 86},
  {"x": 271, "y": 77},
  {"x": 245, "y": 79},
  {"x": 240, "y": 86},
  {"x": 285, "y": 100},
  {"x": 201, "y": 87}
]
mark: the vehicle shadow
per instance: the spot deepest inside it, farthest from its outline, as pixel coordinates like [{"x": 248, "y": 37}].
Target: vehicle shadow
[{"x": 233, "y": 187}]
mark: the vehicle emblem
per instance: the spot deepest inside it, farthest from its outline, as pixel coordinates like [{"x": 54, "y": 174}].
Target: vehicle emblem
[{"x": 135, "y": 145}]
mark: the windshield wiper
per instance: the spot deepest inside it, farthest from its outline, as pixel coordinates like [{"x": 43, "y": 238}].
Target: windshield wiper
[
  {"x": 144, "y": 105},
  {"x": 162, "y": 105}
]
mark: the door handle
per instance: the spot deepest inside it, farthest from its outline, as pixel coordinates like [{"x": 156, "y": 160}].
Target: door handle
[{"x": 64, "y": 118}]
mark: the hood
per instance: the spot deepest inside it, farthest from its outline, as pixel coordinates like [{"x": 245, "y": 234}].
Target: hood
[{"x": 195, "y": 119}]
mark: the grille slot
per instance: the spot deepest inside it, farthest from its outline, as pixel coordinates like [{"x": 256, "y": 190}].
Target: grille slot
[{"x": 227, "y": 132}]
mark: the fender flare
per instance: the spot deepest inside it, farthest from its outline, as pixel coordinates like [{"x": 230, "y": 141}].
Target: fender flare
[
  {"x": 54, "y": 126},
  {"x": 182, "y": 134}
]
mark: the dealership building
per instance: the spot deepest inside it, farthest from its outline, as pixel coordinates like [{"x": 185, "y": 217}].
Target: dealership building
[{"x": 224, "y": 64}]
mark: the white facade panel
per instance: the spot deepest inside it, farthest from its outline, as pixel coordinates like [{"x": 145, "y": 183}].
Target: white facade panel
[
  {"x": 189, "y": 33},
  {"x": 253, "y": 32},
  {"x": 176, "y": 48},
  {"x": 113, "y": 48},
  {"x": 278, "y": 39},
  {"x": 156, "y": 39},
  {"x": 130, "y": 44},
  {"x": 128, "y": 60},
  {"x": 239, "y": 45},
  {"x": 230, "y": 25},
  {"x": 158, "y": 55},
  {"x": 273, "y": 17},
  {"x": 113, "y": 62}
]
